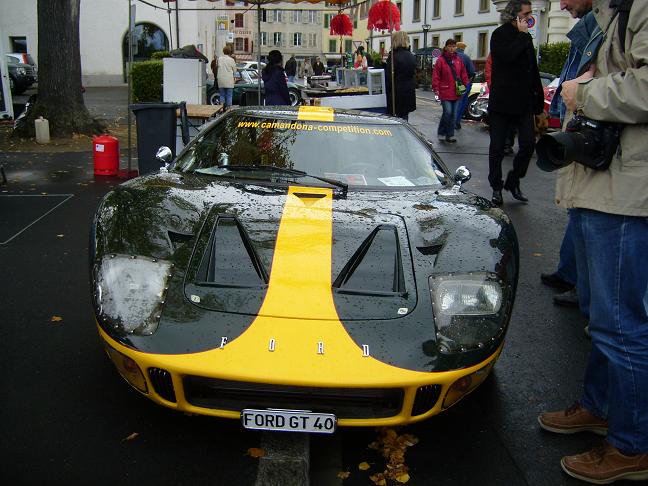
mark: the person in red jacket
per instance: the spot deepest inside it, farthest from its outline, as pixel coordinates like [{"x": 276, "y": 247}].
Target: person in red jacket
[{"x": 448, "y": 69}]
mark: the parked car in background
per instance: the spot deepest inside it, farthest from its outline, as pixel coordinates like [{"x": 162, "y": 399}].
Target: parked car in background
[
  {"x": 478, "y": 109},
  {"x": 478, "y": 81},
  {"x": 553, "y": 122},
  {"x": 249, "y": 65},
  {"x": 247, "y": 80},
  {"x": 25, "y": 58},
  {"x": 21, "y": 76}
]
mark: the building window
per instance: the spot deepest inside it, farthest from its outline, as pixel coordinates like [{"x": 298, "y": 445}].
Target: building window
[
  {"x": 415, "y": 43},
  {"x": 276, "y": 38},
  {"x": 416, "y": 15},
  {"x": 264, "y": 38},
  {"x": 148, "y": 39},
  {"x": 436, "y": 40},
  {"x": 296, "y": 16},
  {"x": 264, "y": 16},
  {"x": 18, "y": 44},
  {"x": 327, "y": 20},
  {"x": 400, "y": 8},
  {"x": 436, "y": 9},
  {"x": 312, "y": 17},
  {"x": 332, "y": 45},
  {"x": 459, "y": 7},
  {"x": 238, "y": 44},
  {"x": 348, "y": 45},
  {"x": 277, "y": 16},
  {"x": 458, "y": 36},
  {"x": 238, "y": 20},
  {"x": 312, "y": 40},
  {"x": 297, "y": 39},
  {"x": 482, "y": 44},
  {"x": 484, "y": 6}
]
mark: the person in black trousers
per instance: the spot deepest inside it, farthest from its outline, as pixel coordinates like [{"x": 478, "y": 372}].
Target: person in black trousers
[{"x": 516, "y": 95}]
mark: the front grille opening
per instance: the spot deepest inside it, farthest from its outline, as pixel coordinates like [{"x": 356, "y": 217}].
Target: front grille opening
[
  {"x": 162, "y": 383},
  {"x": 343, "y": 402},
  {"x": 426, "y": 398}
]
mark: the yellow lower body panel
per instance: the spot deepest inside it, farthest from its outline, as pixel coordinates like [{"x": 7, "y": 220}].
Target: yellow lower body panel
[{"x": 209, "y": 365}]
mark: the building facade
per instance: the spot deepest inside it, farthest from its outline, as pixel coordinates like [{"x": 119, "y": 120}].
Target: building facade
[{"x": 301, "y": 29}]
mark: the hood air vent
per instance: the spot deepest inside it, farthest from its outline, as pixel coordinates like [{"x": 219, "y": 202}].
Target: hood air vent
[
  {"x": 230, "y": 259},
  {"x": 376, "y": 267}
]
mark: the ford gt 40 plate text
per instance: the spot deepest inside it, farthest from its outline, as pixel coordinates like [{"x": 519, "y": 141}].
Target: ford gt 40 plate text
[{"x": 289, "y": 420}]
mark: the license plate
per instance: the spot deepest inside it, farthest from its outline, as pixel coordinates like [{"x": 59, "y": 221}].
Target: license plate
[{"x": 289, "y": 420}]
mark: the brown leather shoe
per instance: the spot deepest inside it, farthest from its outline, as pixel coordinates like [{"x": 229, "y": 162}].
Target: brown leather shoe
[
  {"x": 605, "y": 464},
  {"x": 572, "y": 420}
]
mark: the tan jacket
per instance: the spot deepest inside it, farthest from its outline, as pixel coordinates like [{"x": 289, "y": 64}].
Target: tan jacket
[{"x": 614, "y": 97}]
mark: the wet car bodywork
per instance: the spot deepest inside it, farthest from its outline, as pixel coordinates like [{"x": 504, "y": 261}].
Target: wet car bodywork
[{"x": 220, "y": 286}]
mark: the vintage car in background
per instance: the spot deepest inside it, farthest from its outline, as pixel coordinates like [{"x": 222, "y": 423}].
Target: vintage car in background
[
  {"x": 478, "y": 109},
  {"x": 246, "y": 81},
  {"x": 303, "y": 268}
]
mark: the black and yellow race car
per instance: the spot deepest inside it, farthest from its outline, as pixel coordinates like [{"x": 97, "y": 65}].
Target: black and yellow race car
[{"x": 303, "y": 268}]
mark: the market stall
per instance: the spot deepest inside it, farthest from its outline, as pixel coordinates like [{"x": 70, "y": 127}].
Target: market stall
[{"x": 354, "y": 89}]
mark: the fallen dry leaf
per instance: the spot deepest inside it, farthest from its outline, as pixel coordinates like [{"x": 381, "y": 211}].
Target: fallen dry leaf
[
  {"x": 56, "y": 319},
  {"x": 402, "y": 478},
  {"x": 537, "y": 254},
  {"x": 255, "y": 452},
  {"x": 343, "y": 474},
  {"x": 131, "y": 437},
  {"x": 378, "y": 479},
  {"x": 363, "y": 466},
  {"x": 60, "y": 236}
]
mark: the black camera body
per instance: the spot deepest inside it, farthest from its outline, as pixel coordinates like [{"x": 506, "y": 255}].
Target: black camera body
[{"x": 591, "y": 143}]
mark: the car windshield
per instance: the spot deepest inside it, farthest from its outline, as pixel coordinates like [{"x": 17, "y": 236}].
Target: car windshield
[
  {"x": 12, "y": 60},
  {"x": 370, "y": 155}
]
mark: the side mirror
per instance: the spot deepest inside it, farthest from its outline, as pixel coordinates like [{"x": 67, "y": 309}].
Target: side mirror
[
  {"x": 164, "y": 155},
  {"x": 462, "y": 175}
]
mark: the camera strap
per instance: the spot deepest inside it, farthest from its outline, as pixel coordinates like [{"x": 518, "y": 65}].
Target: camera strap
[{"x": 623, "y": 8}]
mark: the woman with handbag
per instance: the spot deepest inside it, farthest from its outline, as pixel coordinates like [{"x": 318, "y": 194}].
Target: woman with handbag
[{"x": 449, "y": 80}]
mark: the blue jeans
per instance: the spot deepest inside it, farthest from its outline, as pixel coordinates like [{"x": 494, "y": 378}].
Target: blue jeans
[
  {"x": 447, "y": 122},
  {"x": 461, "y": 106},
  {"x": 612, "y": 255},
  {"x": 291, "y": 79},
  {"x": 226, "y": 96},
  {"x": 567, "y": 264}
]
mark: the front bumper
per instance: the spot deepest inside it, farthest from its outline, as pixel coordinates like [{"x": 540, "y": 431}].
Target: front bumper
[{"x": 203, "y": 386}]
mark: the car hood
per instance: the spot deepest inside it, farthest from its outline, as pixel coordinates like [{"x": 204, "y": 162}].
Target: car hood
[{"x": 300, "y": 254}]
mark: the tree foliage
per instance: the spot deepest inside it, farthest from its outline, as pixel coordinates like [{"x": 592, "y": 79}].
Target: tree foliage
[{"x": 60, "y": 97}]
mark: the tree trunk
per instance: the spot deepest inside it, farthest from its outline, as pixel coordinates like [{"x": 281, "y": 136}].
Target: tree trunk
[{"x": 60, "y": 99}]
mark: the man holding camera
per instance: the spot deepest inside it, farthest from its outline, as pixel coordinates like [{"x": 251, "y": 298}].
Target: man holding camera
[{"x": 610, "y": 231}]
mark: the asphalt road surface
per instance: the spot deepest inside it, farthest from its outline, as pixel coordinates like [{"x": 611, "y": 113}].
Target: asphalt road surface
[{"x": 67, "y": 418}]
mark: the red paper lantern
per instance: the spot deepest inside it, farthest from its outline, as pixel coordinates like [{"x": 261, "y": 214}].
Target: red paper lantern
[
  {"x": 341, "y": 25},
  {"x": 379, "y": 16}
]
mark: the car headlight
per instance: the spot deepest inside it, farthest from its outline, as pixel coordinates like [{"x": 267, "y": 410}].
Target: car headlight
[
  {"x": 469, "y": 310},
  {"x": 21, "y": 71},
  {"x": 130, "y": 292}
]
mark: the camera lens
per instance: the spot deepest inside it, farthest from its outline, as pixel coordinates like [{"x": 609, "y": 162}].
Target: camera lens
[{"x": 556, "y": 150}]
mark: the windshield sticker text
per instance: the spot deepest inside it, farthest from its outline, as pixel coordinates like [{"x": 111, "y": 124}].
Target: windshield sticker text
[{"x": 316, "y": 128}]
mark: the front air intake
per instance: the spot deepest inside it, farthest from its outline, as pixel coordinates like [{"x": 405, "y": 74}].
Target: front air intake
[{"x": 162, "y": 383}]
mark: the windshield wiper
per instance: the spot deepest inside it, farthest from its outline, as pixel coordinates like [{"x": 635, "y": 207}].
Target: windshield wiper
[{"x": 285, "y": 170}]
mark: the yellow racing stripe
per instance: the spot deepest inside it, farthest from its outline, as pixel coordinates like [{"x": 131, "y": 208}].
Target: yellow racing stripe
[{"x": 315, "y": 113}]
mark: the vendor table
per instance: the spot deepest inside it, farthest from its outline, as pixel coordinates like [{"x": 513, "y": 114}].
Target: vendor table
[{"x": 197, "y": 116}]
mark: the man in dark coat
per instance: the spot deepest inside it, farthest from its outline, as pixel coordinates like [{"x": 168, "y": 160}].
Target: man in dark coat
[
  {"x": 404, "y": 77},
  {"x": 318, "y": 67},
  {"x": 291, "y": 68},
  {"x": 516, "y": 95}
]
